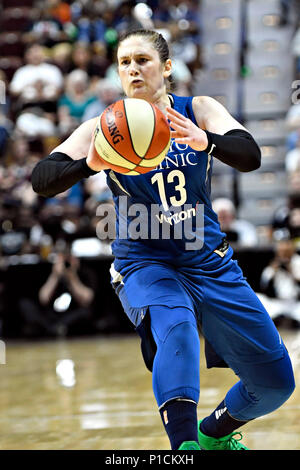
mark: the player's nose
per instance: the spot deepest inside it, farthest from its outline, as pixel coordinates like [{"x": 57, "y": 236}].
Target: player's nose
[{"x": 133, "y": 70}]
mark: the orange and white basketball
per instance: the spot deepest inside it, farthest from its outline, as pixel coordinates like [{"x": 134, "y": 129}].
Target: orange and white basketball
[{"x": 132, "y": 136}]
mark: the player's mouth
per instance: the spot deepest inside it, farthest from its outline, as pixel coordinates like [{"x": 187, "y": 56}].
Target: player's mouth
[{"x": 137, "y": 82}]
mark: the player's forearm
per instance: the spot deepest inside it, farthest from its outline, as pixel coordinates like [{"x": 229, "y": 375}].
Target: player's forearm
[
  {"x": 58, "y": 172},
  {"x": 236, "y": 148}
]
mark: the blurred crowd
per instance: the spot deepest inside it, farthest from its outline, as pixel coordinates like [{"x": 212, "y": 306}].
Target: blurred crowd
[
  {"x": 279, "y": 284},
  {"x": 57, "y": 62},
  {"x": 287, "y": 219},
  {"x": 280, "y": 280},
  {"x": 57, "y": 69}
]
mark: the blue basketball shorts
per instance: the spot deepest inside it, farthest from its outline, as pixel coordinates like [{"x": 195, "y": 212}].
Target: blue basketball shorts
[{"x": 233, "y": 321}]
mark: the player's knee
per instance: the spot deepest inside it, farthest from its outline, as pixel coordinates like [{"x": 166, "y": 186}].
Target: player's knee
[
  {"x": 281, "y": 385},
  {"x": 269, "y": 385},
  {"x": 282, "y": 394},
  {"x": 176, "y": 364},
  {"x": 283, "y": 379},
  {"x": 182, "y": 341},
  {"x": 272, "y": 399}
]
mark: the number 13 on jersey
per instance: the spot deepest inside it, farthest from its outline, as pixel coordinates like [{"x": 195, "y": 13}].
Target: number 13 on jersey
[{"x": 175, "y": 176}]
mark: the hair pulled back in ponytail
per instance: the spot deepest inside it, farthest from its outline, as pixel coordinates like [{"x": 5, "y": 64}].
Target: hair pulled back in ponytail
[{"x": 158, "y": 41}]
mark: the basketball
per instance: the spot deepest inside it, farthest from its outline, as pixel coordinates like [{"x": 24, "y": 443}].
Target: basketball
[{"x": 132, "y": 136}]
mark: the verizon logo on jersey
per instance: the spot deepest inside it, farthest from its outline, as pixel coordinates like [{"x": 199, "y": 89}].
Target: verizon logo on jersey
[{"x": 177, "y": 216}]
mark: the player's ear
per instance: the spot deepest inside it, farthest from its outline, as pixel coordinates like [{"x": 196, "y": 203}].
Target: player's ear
[{"x": 167, "y": 68}]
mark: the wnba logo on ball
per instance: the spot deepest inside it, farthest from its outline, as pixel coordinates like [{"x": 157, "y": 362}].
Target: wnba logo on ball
[{"x": 134, "y": 136}]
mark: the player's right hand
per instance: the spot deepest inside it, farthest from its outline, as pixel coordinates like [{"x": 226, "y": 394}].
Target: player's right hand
[{"x": 93, "y": 160}]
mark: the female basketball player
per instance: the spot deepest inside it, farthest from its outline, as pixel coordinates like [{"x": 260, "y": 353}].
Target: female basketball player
[{"x": 168, "y": 289}]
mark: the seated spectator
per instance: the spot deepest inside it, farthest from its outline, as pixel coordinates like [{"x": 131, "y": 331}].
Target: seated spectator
[
  {"x": 294, "y": 180},
  {"x": 6, "y": 125},
  {"x": 295, "y": 49},
  {"x": 292, "y": 159},
  {"x": 16, "y": 232},
  {"x": 95, "y": 24},
  {"x": 289, "y": 10},
  {"x": 86, "y": 18},
  {"x": 83, "y": 58},
  {"x": 64, "y": 301},
  {"x": 181, "y": 19},
  {"x": 15, "y": 177},
  {"x": 60, "y": 10},
  {"x": 280, "y": 281},
  {"x": 240, "y": 231},
  {"x": 292, "y": 139},
  {"x": 182, "y": 78},
  {"x": 124, "y": 18},
  {"x": 97, "y": 193},
  {"x": 47, "y": 29},
  {"x": 71, "y": 197},
  {"x": 106, "y": 94},
  {"x": 3, "y": 136},
  {"x": 5, "y": 101},
  {"x": 287, "y": 217},
  {"x": 92, "y": 25},
  {"x": 36, "y": 80},
  {"x": 61, "y": 57},
  {"x": 74, "y": 101},
  {"x": 35, "y": 124},
  {"x": 112, "y": 75},
  {"x": 49, "y": 222},
  {"x": 143, "y": 14},
  {"x": 101, "y": 61},
  {"x": 294, "y": 207},
  {"x": 63, "y": 217},
  {"x": 292, "y": 119}
]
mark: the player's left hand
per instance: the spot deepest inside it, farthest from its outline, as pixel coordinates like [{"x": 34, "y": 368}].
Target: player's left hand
[{"x": 185, "y": 131}]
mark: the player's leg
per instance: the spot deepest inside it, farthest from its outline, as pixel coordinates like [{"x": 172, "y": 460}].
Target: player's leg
[
  {"x": 176, "y": 366},
  {"x": 262, "y": 388},
  {"x": 155, "y": 301},
  {"x": 242, "y": 333}
]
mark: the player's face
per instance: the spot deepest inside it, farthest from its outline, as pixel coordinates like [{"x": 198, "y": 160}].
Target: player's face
[{"x": 141, "y": 72}]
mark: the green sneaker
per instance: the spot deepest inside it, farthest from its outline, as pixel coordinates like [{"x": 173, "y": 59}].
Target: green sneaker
[
  {"x": 228, "y": 442},
  {"x": 189, "y": 445}
]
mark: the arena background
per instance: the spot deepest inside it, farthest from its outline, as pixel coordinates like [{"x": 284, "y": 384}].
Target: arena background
[{"x": 56, "y": 70}]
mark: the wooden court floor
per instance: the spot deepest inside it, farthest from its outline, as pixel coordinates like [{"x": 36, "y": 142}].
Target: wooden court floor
[{"x": 95, "y": 393}]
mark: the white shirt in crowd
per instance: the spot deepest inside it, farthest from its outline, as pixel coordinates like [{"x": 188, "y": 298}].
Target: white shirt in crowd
[{"x": 29, "y": 74}]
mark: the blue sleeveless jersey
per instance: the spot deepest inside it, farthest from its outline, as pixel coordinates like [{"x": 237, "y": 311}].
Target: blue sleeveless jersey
[{"x": 166, "y": 214}]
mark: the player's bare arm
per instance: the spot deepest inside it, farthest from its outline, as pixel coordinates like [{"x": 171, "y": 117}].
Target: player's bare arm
[
  {"x": 217, "y": 133},
  {"x": 80, "y": 144},
  {"x": 212, "y": 116},
  {"x": 71, "y": 161},
  {"x": 77, "y": 145}
]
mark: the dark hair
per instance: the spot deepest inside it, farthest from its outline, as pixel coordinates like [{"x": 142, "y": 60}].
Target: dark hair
[
  {"x": 159, "y": 43},
  {"x": 157, "y": 39}
]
